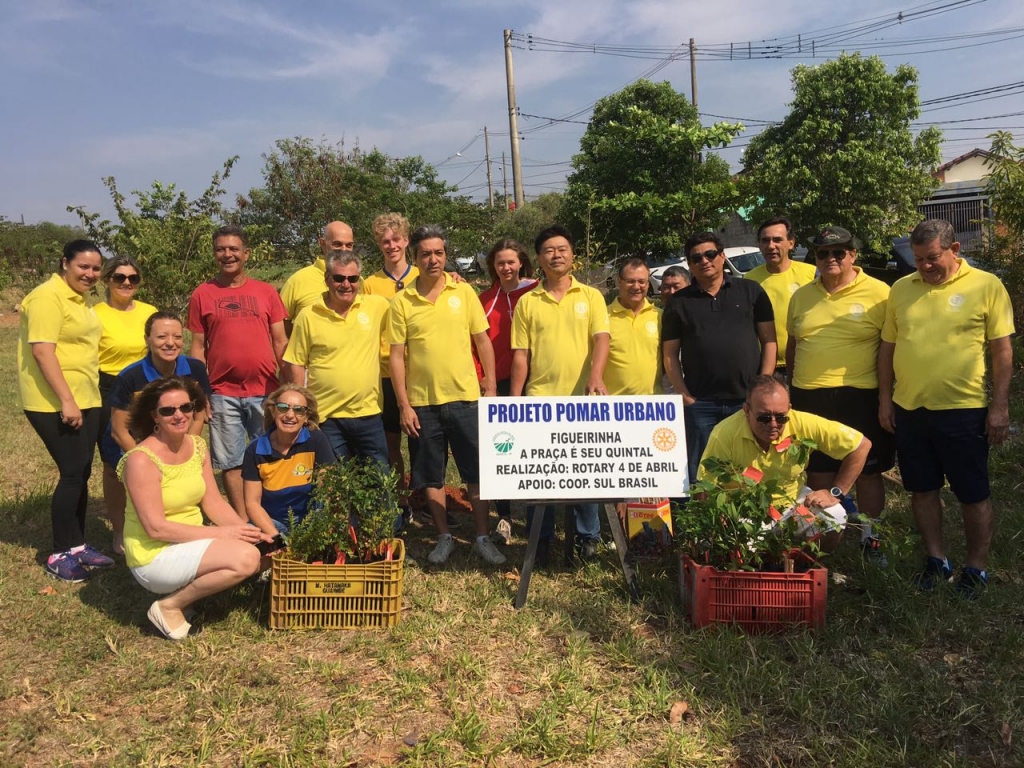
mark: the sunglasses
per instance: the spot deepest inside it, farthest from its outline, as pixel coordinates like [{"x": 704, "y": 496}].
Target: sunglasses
[
  {"x": 836, "y": 253},
  {"x": 696, "y": 258},
  {"x": 121, "y": 277},
  {"x": 283, "y": 408},
  {"x": 353, "y": 279},
  {"x": 168, "y": 410},
  {"x": 768, "y": 418}
]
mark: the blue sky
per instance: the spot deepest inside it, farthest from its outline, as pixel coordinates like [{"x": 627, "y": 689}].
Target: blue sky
[{"x": 168, "y": 90}]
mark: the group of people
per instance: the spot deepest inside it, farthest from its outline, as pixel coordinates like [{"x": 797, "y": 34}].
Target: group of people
[
  {"x": 340, "y": 365},
  {"x": 866, "y": 371}
]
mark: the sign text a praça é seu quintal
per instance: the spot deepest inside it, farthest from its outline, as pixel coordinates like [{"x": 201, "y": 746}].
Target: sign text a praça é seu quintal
[{"x": 614, "y": 447}]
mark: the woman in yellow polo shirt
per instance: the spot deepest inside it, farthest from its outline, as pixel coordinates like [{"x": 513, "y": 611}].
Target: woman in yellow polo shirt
[
  {"x": 58, "y": 374},
  {"x": 123, "y": 342}
]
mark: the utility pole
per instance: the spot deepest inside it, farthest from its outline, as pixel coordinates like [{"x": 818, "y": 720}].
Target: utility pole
[
  {"x": 693, "y": 85},
  {"x": 504, "y": 182},
  {"x": 487, "y": 159},
  {"x": 513, "y": 123},
  {"x": 693, "y": 72}
]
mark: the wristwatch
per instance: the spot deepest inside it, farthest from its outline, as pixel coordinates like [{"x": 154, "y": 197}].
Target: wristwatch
[{"x": 836, "y": 491}]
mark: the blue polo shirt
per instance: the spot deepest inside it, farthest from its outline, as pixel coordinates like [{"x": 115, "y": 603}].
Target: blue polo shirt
[
  {"x": 136, "y": 376},
  {"x": 287, "y": 479},
  {"x": 132, "y": 380}
]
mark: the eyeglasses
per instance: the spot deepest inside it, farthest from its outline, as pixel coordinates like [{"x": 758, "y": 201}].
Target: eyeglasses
[
  {"x": 768, "y": 418},
  {"x": 169, "y": 410},
  {"x": 836, "y": 253},
  {"x": 696, "y": 258},
  {"x": 120, "y": 277},
  {"x": 283, "y": 408},
  {"x": 353, "y": 279}
]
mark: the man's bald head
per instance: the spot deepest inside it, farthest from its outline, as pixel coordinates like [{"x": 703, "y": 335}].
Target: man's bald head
[{"x": 337, "y": 237}]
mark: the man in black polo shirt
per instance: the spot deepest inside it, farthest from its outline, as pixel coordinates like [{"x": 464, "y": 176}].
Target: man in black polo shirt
[{"x": 720, "y": 333}]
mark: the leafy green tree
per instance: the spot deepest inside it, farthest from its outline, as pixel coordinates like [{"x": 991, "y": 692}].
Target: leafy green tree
[
  {"x": 168, "y": 234},
  {"x": 845, "y": 154},
  {"x": 30, "y": 252},
  {"x": 638, "y": 184},
  {"x": 1005, "y": 251},
  {"x": 524, "y": 223},
  {"x": 307, "y": 185}
]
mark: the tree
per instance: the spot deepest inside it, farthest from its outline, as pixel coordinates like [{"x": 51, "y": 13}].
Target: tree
[
  {"x": 168, "y": 234},
  {"x": 845, "y": 154},
  {"x": 638, "y": 184},
  {"x": 1004, "y": 253},
  {"x": 307, "y": 185},
  {"x": 525, "y": 223},
  {"x": 29, "y": 252}
]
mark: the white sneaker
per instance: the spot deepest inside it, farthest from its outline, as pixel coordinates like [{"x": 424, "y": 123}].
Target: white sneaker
[
  {"x": 442, "y": 550},
  {"x": 488, "y": 552},
  {"x": 503, "y": 533}
]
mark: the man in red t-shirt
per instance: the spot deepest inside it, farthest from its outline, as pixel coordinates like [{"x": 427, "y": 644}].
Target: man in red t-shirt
[{"x": 237, "y": 326}]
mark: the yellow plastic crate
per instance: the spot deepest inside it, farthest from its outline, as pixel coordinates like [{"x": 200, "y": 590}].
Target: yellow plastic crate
[{"x": 304, "y": 596}]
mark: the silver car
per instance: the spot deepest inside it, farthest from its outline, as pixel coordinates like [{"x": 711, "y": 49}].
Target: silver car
[{"x": 738, "y": 261}]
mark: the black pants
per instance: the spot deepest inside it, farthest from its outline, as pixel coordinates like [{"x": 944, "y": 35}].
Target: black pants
[{"x": 72, "y": 452}]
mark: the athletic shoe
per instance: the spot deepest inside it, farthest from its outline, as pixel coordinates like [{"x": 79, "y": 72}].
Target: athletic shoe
[
  {"x": 93, "y": 558},
  {"x": 503, "y": 533},
  {"x": 65, "y": 566},
  {"x": 935, "y": 571},
  {"x": 442, "y": 550},
  {"x": 872, "y": 549},
  {"x": 972, "y": 583},
  {"x": 485, "y": 549}
]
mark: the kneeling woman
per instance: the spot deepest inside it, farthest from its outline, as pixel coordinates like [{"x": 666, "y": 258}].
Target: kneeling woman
[{"x": 169, "y": 478}]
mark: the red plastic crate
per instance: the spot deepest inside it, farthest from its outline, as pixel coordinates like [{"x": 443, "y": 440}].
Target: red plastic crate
[{"x": 754, "y": 601}]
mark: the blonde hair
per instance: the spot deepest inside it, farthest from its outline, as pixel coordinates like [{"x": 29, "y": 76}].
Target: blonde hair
[
  {"x": 396, "y": 222},
  {"x": 312, "y": 415}
]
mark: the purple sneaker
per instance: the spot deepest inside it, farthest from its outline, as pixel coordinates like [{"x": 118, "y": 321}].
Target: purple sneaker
[
  {"x": 65, "y": 566},
  {"x": 93, "y": 558}
]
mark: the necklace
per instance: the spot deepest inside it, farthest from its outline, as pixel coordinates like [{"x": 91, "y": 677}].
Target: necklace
[{"x": 399, "y": 281}]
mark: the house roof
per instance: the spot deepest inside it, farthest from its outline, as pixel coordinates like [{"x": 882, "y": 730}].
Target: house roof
[{"x": 957, "y": 160}]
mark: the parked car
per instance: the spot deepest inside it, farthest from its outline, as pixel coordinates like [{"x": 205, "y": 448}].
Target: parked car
[{"x": 738, "y": 261}]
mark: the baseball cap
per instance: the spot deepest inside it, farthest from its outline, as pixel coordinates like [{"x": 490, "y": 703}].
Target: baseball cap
[{"x": 834, "y": 236}]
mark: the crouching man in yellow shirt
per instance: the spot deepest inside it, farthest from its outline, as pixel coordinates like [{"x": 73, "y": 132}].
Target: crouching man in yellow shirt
[{"x": 758, "y": 437}]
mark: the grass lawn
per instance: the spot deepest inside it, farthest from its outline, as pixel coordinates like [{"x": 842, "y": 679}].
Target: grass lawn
[{"x": 579, "y": 677}]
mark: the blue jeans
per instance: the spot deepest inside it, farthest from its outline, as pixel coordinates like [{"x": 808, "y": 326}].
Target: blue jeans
[
  {"x": 362, "y": 436},
  {"x": 588, "y": 521},
  {"x": 700, "y": 418},
  {"x": 235, "y": 421}
]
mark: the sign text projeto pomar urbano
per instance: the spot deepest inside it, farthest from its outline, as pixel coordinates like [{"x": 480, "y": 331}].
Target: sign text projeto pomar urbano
[{"x": 582, "y": 447}]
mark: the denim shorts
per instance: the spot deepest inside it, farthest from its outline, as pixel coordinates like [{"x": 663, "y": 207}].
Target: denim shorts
[
  {"x": 854, "y": 407},
  {"x": 173, "y": 568},
  {"x": 235, "y": 421},
  {"x": 452, "y": 425},
  {"x": 951, "y": 444},
  {"x": 390, "y": 411}
]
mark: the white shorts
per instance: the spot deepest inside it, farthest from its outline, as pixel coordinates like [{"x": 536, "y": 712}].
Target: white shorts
[{"x": 173, "y": 568}]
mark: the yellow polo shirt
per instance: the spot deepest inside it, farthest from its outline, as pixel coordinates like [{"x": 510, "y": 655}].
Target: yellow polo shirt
[
  {"x": 837, "y": 334},
  {"x": 439, "y": 357},
  {"x": 379, "y": 284},
  {"x": 124, "y": 335},
  {"x": 304, "y": 288},
  {"x": 53, "y": 313},
  {"x": 780, "y": 288},
  {"x": 940, "y": 333},
  {"x": 559, "y": 336},
  {"x": 341, "y": 355},
  {"x": 634, "y": 357},
  {"x": 731, "y": 440}
]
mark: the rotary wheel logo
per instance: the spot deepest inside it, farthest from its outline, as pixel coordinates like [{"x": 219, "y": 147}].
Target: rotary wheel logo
[
  {"x": 503, "y": 442},
  {"x": 664, "y": 439}
]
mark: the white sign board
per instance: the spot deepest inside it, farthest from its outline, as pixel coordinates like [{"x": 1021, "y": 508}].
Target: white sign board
[{"x": 551, "y": 448}]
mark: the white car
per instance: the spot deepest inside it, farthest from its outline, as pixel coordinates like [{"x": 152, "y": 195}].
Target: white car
[{"x": 738, "y": 261}]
